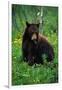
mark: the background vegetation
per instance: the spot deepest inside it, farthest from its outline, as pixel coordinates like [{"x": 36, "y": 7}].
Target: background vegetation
[{"x": 22, "y": 73}]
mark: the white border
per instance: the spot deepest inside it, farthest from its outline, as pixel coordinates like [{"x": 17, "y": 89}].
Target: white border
[
  {"x": 10, "y": 44},
  {"x": 10, "y": 68}
]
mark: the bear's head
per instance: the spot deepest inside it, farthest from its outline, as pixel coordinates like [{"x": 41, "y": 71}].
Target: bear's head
[{"x": 32, "y": 31}]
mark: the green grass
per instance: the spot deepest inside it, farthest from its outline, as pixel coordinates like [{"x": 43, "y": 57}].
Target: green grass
[{"x": 22, "y": 73}]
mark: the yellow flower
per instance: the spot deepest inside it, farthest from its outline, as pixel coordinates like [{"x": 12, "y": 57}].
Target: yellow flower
[{"x": 15, "y": 41}]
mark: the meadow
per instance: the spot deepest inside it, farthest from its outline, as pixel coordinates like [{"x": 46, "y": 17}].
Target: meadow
[{"x": 22, "y": 73}]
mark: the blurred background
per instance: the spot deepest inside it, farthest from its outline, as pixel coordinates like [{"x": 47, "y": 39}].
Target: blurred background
[{"x": 22, "y": 73}]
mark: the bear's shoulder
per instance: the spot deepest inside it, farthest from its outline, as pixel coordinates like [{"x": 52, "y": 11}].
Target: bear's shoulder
[{"x": 42, "y": 37}]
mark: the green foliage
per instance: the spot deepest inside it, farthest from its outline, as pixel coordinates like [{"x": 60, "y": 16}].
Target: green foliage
[
  {"x": 22, "y": 73},
  {"x": 50, "y": 20}
]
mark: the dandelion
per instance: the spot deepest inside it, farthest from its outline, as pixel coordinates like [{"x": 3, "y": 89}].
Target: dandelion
[{"x": 15, "y": 41}]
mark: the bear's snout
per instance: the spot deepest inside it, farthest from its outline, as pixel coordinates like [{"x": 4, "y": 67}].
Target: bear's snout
[{"x": 34, "y": 37}]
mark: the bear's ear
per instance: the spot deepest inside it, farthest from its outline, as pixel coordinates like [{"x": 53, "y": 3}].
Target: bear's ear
[
  {"x": 38, "y": 25},
  {"x": 27, "y": 23}
]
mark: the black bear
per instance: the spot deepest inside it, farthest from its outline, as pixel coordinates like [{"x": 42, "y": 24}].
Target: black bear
[{"x": 34, "y": 45}]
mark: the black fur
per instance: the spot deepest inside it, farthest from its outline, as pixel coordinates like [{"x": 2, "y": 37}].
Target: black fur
[{"x": 34, "y": 49}]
